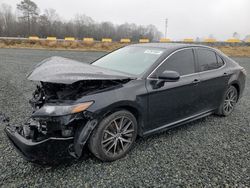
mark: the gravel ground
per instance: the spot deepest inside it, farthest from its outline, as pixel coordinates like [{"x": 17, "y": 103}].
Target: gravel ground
[{"x": 210, "y": 152}]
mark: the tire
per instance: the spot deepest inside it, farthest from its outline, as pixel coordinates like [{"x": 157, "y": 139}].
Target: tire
[
  {"x": 111, "y": 139},
  {"x": 229, "y": 101}
]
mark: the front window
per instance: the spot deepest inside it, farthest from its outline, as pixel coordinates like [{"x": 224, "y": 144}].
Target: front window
[
  {"x": 133, "y": 60},
  {"x": 181, "y": 62}
]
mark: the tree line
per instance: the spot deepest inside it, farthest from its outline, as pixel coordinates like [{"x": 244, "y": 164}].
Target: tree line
[{"x": 27, "y": 20}]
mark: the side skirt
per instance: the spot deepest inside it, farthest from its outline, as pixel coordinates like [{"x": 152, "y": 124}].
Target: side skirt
[{"x": 178, "y": 123}]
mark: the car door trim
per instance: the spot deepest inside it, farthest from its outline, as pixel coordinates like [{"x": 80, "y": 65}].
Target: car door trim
[{"x": 179, "y": 122}]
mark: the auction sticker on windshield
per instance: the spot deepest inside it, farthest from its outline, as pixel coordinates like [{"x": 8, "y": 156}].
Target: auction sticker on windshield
[{"x": 154, "y": 52}]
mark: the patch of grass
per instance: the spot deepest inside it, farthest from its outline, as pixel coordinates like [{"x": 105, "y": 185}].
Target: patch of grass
[{"x": 240, "y": 51}]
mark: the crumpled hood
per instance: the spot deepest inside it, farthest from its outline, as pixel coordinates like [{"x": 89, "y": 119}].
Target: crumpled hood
[{"x": 67, "y": 71}]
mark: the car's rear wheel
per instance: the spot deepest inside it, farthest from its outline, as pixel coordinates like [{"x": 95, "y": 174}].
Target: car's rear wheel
[
  {"x": 229, "y": 101},
  {"x": 114, "y": 136}
]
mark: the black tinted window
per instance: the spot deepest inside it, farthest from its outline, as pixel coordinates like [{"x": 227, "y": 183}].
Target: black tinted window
[
  {"x": 181, "y": 62},
  {"x": 207, "y": 59}
]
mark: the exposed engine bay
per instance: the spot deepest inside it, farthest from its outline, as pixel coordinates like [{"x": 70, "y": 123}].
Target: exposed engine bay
[
  {"x": 56, "y": 93},
  {"x": 39, "y": 128}
]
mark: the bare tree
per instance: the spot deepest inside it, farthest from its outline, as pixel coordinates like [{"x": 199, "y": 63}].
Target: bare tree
[
  {"x": 211, "y": 36},
  {"x": 7, "y": 20},
  {"x": 49, "y": 23},
  {"x": 46, "y": 23},
  {"x": 247, "y": 37},
  {"x": 236, "y": 35},
  {"x": 51, "y": 15},
  {"x": 82, "y": 25},
  {"x": 29, "y": 11}
]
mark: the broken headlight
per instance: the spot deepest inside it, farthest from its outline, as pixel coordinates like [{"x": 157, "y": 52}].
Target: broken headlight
[{"x": 61, "y": 110}]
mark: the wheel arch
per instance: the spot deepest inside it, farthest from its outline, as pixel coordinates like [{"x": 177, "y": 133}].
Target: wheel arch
[
  {"x": 237, "y": 86},
  {"x": 133, "y": 109}
]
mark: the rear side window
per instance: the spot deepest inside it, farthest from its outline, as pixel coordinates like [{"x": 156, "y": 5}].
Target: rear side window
[
  {"x": 220, "y": 61},
  {"x": 181, "y": 62},
  {"x": 207, "y": 60}
]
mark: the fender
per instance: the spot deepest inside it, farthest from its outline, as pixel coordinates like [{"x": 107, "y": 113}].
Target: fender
[
  {"x": 82, "y": 137},
  {"x": 238, "y": 80}
]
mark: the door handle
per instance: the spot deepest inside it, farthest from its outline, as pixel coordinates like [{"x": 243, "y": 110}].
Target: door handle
[{"x": 196, "y": 81}]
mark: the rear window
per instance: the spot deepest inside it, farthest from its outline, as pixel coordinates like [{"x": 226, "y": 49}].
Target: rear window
[
  {"x": 220, "y": 61},
  {"x": 208, "y": 60}
]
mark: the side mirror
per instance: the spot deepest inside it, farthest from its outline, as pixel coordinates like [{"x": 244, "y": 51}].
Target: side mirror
[
  {"x": 169, "y": 76},
  {"x": 166, "y": 76}
]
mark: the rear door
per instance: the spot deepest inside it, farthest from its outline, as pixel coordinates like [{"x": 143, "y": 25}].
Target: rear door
[{"x": 213, "y": 75}]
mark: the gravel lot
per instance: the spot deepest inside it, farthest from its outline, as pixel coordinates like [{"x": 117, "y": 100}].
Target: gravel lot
[{"x": 210, "y": 152}]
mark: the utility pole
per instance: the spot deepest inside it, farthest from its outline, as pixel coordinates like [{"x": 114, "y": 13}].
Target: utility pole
[{"x": 166, "y": 27}]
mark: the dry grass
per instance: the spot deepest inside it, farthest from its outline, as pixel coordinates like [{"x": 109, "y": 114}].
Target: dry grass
[
  {"x": 235, "y": 51},
  {"x": 60, "y": 45},
  {"x": 241, "y": 51}
]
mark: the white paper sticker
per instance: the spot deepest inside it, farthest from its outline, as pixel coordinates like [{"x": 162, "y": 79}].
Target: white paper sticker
[{"x": 154, "y": 52}]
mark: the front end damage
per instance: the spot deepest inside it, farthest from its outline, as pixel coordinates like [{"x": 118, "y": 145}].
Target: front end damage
[
  {"x": 59, "y": 126},
  {"x": 49, "y": 135},
  {"x": 51, "y": 139}
]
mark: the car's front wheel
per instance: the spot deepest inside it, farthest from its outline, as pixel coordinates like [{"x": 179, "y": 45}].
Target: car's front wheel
[
  {"x": 229, "y": 101},
  {"x": 114, "y": 136}
]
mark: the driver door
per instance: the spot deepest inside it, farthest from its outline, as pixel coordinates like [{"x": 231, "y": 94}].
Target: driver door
[{"x": 173, "y": 101}]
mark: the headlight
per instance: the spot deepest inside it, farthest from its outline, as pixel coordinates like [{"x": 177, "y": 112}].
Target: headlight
[{"x": 60, "y": 110}]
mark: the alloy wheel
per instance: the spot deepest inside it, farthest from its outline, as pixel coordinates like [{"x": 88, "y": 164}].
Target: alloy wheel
[
  {"x": 118, "y": 136},
  {"x": 230, "y": 101}
]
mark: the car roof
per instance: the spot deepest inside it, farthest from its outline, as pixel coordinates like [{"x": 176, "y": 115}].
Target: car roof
[{"x": 168, "y": 46}]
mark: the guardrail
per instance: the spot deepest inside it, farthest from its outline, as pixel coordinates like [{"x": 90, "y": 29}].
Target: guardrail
[
  {"x": 233, "y": 40},
  {"x": 33, "y": 38},
  {"x": 144, "y": 40},
  {"x": 51, "y": 38},
  {"x": 188, "y": 40},
  {"x": 125, "y": 40},
  {"x": 88, "y": 40},
  {"x": 209, "y": 40},
  {"x": 165, "y": 40},
  {"x": 69, "y": 39},
  {"x": 128, "y": 40},
  {"x": 106, "y": 40}
]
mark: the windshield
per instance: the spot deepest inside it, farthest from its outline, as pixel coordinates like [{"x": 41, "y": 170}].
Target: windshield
[{"x": 131, "y": 59}]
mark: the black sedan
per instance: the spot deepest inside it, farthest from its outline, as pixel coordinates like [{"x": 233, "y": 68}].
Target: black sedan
[{"x": 134, "y": 91}]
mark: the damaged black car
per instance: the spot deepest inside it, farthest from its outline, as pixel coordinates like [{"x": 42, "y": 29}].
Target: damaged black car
[{"x": 134, "y": 91}]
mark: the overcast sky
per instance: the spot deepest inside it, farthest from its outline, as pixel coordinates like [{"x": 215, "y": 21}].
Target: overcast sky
[{"x": 187, "y": 18}]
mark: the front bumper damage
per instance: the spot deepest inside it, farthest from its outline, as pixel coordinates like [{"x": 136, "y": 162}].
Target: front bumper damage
[
  {"x": 56, "y": 145},
  {"x": 47, "y": 150}
]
